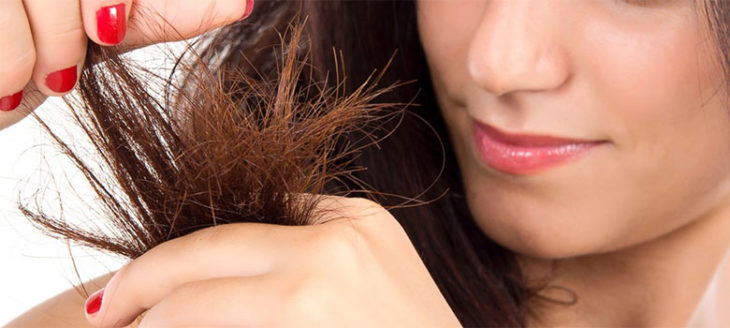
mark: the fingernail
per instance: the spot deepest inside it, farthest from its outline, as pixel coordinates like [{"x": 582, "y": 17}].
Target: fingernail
[
  {"x": 93, "y": 303},
  {"x": 249, "y": 9},
  {"x": 11, "y": 102},
  {"x": 111, "y": 24},
  {"x": 63, "y": 80}
]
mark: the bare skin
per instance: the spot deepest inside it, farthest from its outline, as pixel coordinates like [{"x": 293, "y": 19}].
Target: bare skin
[
  {"x": 63, "y": 310},
  {"x": 657, "y": 284},
  {"x": 46, "y": 44},
  {"x": 711, "y": 311},
  {"x": 264, "y": 275},
  {"x": 638, "y": 225}
]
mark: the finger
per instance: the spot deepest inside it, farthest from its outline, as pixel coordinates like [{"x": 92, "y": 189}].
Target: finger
[
  {"x": 247, "y": 249},
  {"x": 156, "y": 21},
  {"x": 17, "y": 57},
  {"x": 105, "y": 21},
  {"x": 230, "y": 302},
  {"x": 60, "y": 44},
  {"x": 32, "y": 98}
]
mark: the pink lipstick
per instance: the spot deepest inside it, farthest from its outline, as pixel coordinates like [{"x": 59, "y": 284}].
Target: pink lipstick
[{"x": 524, "y": 154}]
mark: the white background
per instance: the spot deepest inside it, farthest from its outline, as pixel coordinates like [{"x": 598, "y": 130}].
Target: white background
[{"x": 34, "y": 267}]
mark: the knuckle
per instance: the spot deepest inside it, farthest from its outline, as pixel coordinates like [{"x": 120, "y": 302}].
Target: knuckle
[
  {"x": 370, "y": 217},
  {"x": 365, "y": 202},
  {"x": 340, "y": 207},
  {"x": 371, "y": 208},
  {"x": 68, "y": 31},
  {"x": 340, "y": 244},
  {"x": 60, "y": 43},
  {"x": 376, "y": 218},
  {"x": 72, "y": 43}
]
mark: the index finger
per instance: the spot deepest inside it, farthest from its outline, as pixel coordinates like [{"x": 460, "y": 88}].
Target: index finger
[
  {"x": 154, "y": 21},
  {"x": 231, "y": 250},
  {"x": 17, "y": 57}
]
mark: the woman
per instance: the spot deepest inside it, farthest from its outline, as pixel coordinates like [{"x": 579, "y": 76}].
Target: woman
[{"x": 590, "y": 146}]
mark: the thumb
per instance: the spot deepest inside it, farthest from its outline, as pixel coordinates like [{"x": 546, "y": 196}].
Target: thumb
[{"x": 154, "y": 21}]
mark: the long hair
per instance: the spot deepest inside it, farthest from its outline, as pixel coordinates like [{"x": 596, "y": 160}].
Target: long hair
[{"x": 253, "y": 118}]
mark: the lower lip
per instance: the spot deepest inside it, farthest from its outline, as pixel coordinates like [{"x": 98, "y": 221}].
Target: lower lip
[{"x": 522, "y": 159}]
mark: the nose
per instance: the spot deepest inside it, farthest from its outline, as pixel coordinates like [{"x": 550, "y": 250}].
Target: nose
[{"x": 515, "y": 49}]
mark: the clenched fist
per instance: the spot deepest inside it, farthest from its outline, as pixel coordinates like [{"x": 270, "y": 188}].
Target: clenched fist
[{"x": 355, "y": 266}]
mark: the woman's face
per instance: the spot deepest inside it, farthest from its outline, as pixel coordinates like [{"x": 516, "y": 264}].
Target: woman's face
[{"x": 635, "y": 81}]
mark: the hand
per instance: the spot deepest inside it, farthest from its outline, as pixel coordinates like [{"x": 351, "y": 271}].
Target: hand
[
  {"x": 44, "y": 41},
  {"x": 337, "y": 272}
]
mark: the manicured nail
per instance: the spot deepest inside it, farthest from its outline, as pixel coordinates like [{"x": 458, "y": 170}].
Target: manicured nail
[
  {"x": 111, "y": 24},
  {"x": 11, "y": 102},
  {"x": 93, "y": 303},
  {"x": 63, "y": 80},
  {"x": 249, "y": 9}
]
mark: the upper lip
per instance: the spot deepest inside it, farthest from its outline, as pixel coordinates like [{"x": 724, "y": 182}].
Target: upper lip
[{"x": 530, "y": 140}]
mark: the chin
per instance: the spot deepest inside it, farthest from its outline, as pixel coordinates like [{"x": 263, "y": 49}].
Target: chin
[
  {"x": 540, "y": 244},
  {"x": 544, "y": 234}
]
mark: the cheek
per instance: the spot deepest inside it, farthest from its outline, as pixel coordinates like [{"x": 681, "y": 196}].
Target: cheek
[
  {"x": 654, "y": 92},
  {"x": 661, "y": 91},
  {"x": 655, "y": 85},
  {"x": 660, "y": 97},
  {"x": 446, "y": 28}
]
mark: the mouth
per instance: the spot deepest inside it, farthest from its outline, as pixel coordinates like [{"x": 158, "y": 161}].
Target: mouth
[{"x": 524, "y": 154}]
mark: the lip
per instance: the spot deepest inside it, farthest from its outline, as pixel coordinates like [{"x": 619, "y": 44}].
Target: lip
[{"x": 524, "y": 153}]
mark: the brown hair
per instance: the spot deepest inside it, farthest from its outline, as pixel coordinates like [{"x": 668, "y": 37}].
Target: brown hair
[{"x": 243, "y": 128}]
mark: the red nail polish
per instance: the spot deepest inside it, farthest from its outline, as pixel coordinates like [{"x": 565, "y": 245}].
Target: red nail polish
[
  {"x": 11, "y": 102},
  {"x": 93, "y": 303},
  {"x": 249, "y": 9},
  {"x": 111, "y": 24},
  {"x": 63, "y": 80}
]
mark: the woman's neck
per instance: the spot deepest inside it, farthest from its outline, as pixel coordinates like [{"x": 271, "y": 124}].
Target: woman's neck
[
  {"x": 712, "y": 310},
  {"x": 655, "y": 284}
]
